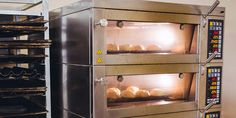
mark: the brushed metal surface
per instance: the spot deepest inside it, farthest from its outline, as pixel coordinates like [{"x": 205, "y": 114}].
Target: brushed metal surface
[
  {"x": 71, "y": 91},
  {"x": 144, "y": 110},
  {"x": 187, "y": 114},
  {"x": 135, "y": 6},
  {"x": 71, "y": 39},
  {"x": 151, "y": 69},
  {"x": 151, "y": 59}
]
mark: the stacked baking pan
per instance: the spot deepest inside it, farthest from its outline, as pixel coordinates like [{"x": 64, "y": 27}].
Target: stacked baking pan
[{"x": 22, "y": 70}]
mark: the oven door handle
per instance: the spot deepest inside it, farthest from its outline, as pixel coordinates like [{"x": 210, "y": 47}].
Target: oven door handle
[
  {"x": 211, "y": 104},
  {"x": 101, "y": 81},
  {"x": 102, "y": 23}
]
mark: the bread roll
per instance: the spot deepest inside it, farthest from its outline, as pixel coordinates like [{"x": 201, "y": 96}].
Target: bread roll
[
  {"x": 157, "y": 92},
  {"x": 133, "y": 89},
  {"x": 112, "y": 47},
  {"x": 127, "y": 94},
  {"x": 125, "y": 47},
  {"x": 153, "y": 47},
  {"x": 113, "y": 93},
  {"x": 142, "y": 93},
  {"x": 136, "y": 48}
]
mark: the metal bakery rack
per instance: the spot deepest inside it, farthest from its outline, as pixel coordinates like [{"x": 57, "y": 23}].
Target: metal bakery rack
[{"x": 24, "y": 59}]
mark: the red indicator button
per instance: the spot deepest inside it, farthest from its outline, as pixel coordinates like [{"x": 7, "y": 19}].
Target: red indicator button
[
  {"x": 213, "y": 79},
  {"x": 214, "y": 96},
  {"x": 216, "y": 32}
]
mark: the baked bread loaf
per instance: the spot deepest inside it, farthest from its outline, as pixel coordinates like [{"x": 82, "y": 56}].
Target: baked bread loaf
[
  {"x": 112, "y": 47},
  {"x": 125, "y": 47},
  {"x": 153, "y": 47},
  {"x": 127, "y": 94},
  {"x": 157, "y": 92},
  {"x": 142, "y": 93},
  {"x": 133, "y": 89},
  {"x": 136, "y": 48},
  {"x": 113, "y": 93}
]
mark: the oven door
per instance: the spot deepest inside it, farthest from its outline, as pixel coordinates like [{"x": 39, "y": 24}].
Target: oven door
[
  {"x": 137, "y": 37},
  {"x": 143, "y": 90}
]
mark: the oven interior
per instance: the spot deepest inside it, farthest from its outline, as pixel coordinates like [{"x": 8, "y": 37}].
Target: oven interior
[
  {"x": 146, "y": 37},
  {"x": 154, "y": 89}
]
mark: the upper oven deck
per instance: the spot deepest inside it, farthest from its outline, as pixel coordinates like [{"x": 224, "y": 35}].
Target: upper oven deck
[
  {"x": 136, "y": 5},
  {"x": 143, "y": 32}
]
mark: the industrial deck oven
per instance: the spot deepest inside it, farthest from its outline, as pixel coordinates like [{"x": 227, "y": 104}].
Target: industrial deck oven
[{"x": 142, "y": 59}]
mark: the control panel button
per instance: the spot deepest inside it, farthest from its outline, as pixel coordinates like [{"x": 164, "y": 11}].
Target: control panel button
[{"x": 212, "y": 115}]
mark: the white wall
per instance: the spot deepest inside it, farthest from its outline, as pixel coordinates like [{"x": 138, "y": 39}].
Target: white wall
[
  {"x": 229, "y": 75},
  {"x": 53, "y": 4}
]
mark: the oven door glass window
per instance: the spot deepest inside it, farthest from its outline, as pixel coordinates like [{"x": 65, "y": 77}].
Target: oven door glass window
[
  {"x": 143, "y": 37},
  {"x": 156, "y": 89}
]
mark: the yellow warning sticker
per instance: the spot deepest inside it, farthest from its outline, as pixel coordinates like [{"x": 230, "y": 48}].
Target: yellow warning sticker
[
  {"x": 99, "y": 60},
  {"x": 99, "y": 52}
]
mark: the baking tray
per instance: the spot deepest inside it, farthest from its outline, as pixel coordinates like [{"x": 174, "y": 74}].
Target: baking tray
[
  {"x": 13, "y": 31},
  {"x": 21, "y": 84},
  {"x": 19, "y": 73},
  {"x": 10, "y": 92},
  {"x": 21, "y": 58},
  {"x": 24, "y": 44},
  {"x": 138, "y": 52},
  {"x": 18, "y": 107},
  {"x": 26, "y": 23},
  {"x": 137, "y": 99}
]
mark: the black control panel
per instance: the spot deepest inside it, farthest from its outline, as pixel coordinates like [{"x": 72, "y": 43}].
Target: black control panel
[
  {"x": 213, "y": 84},
  {"x": 212, "y": 115},
  {"x": 215, "y": 37}
]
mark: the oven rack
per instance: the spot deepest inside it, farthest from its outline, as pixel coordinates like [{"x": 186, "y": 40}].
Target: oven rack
[
  {"x": 24, "y": 44},
  {"x": 19, "y": 107},
  {"x": 24, "y": 28},
  {"x": 143, "y": 51},
  {"x": 138, "y": 99}
]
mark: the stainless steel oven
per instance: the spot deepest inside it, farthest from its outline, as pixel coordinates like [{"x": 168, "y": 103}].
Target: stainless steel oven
[{"x": 113, "y": 59}]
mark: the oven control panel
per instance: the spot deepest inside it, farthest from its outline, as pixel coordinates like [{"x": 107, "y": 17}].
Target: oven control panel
[
  {"x": 212, "y": 115},
  {"x": 215, "y": 38},
  {"x": 213, "y": 84}
]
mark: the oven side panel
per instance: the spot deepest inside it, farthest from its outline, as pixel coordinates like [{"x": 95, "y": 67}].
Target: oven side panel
[
  {"x": 70, "y": 70},
  {"x": 71, "y": 36},
  {"x": 71, "y": 91}
]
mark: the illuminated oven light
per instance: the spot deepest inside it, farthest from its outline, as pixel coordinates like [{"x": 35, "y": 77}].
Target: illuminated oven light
[
  {"x": 166, "y": 81},
  {"x": 166, "y": 37},
  {"x": 163, "y": 102}
]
